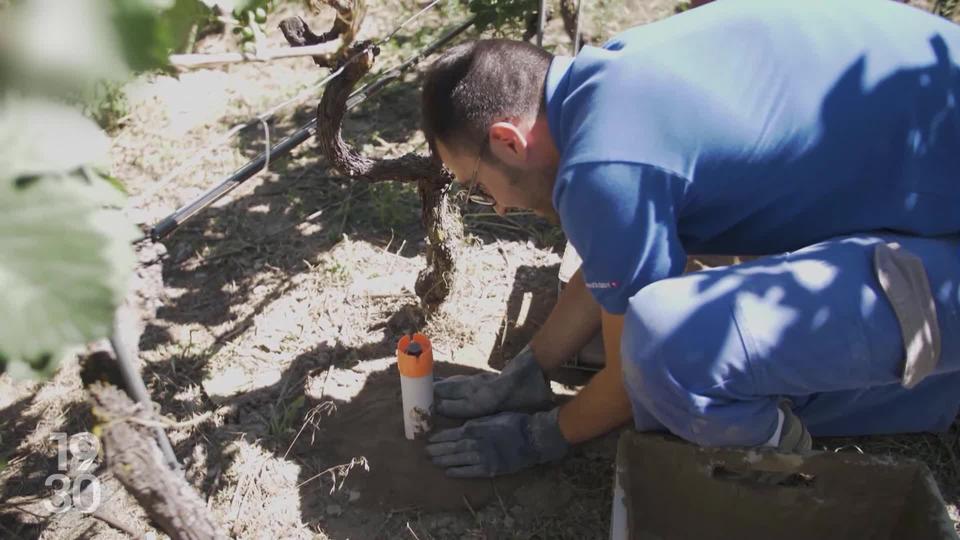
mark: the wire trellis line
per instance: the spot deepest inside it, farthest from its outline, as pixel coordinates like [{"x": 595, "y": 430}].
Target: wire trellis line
[{"x": 255, "y": 166}]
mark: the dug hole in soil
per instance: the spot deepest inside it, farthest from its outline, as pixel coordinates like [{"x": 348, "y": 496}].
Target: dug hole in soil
[{"x": 400, "y": 472}]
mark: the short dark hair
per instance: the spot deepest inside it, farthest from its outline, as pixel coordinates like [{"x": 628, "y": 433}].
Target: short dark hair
[{"x": 478, "y": 82}]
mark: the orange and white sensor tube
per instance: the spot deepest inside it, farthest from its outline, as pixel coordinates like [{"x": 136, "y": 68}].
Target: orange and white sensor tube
[{"x": 415, "y": 362}]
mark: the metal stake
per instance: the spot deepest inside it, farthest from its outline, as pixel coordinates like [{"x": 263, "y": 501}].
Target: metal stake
[{"x": 541, "y": 22}]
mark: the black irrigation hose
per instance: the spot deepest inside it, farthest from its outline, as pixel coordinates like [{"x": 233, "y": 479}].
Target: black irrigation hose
[
  {"x": 244, "y": 173},
  {"x": 125, "y": 348}
]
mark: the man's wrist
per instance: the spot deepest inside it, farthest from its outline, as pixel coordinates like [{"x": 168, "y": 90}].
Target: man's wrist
[
  {"x": 563, "y": 422},
  {"x": 531, "y": 350},
  {"x": 526, "y": 362},
  {"x": 547, "y": 437}
]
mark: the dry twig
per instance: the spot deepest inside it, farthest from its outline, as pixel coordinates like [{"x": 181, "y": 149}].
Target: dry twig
[
  {"x": 115, "y": 524},
  {"x": 409, "y": 528},
  {"x": 137, "y": 463},
  {"x": 341, "y": 471},
  {"x": 472, "y": 511}
]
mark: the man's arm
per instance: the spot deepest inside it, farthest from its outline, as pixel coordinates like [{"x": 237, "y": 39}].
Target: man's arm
[
  {"x": 511, "y": 441},
  {"x": 574, "y": 320},
  {"x": 601, "y": 203},
  {"x": 603, "y": 404}
]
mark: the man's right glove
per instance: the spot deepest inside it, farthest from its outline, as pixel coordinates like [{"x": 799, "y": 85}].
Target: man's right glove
[
  {"x": 520, "y": 386},
  {"x": 501, "y": 444}
]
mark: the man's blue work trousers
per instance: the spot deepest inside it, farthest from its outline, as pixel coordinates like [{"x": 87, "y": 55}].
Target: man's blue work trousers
[{"x": 709, "y": 355}]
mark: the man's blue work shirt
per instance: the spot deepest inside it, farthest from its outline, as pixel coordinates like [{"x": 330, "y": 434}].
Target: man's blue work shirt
[{"x": 754, "y": 127}]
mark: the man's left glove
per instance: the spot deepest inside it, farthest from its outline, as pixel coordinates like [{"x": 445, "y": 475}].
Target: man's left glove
[{"x": 499, "y": 444}]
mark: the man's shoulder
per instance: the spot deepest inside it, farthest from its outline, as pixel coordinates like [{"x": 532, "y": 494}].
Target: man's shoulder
[
  {"x": 743, "y": 21},
  {"x": 613, "y": 181}
]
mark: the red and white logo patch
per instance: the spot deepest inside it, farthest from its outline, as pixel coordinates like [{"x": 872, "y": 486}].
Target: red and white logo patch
[{"x": 603, "y": 284}]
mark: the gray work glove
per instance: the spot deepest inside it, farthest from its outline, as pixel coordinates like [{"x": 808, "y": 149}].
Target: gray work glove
[
  {"x": 500, "y": 444},
  {"x": 520, "y": 386}
]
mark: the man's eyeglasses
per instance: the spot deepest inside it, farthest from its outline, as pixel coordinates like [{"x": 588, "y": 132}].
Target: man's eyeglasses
[{"x": 475, "y": 192}]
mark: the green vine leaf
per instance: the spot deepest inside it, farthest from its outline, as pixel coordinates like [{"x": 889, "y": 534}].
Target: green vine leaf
[
  {"x": 40, "y": 137},
  {"x": 46, "y": 45},
  {"x": 65, "y": 251},
  {"x": 150, "y": 30}
]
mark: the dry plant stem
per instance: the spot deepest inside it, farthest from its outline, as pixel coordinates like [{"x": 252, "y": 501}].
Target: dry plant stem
[
  {"x": 115, "y": 524},
  {"x": 954, "y": 460},
  {"x": 414, "y": 534},
  {"x": 439, "y": 218},
  {"x": 503, "y": 507},
  {"x": 568, "y": 12},
  {"x": 472, "y": 511},
  {"x": 407, "y": 168},
  {"x": 345, "y": 26},
  {"x": 442, "y": 222},
  {"x": 350, "y": 15},
  {"x": 300, "y": 37},
  {"x": 343, "y": 470},
  {"x": 530, "y": 25},
  {"x": 166, "y": 423},
  {"x": 135, "y": 460}
]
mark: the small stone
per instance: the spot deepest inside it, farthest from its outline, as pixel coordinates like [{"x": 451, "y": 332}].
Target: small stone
[
  {"x": 334, "y": 510},
  {"x": 354, "y": 496},
  {"x": 509, "y": 522}
]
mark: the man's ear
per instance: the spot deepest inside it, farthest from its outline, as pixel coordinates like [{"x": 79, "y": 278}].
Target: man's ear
[{"x": 508, "y": 143}]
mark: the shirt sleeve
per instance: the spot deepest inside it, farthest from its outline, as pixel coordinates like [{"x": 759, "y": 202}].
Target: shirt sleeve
[{"x": 621, "y": 218}]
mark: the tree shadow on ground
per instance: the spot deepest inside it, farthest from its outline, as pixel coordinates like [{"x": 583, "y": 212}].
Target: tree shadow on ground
[
  {"x": 25, "y": 483},
  {"x": 402, "y": 483},
  {"x": 531, "y": 299},
  {"x": 249, "y": 253},
  {"x": 534, "y": 293},
  {"x": 369, "y": 426},
  {"x": 306, "y": 420},
  {"x": 215, "y": 261},
  {"x": 17, "y": 426}
]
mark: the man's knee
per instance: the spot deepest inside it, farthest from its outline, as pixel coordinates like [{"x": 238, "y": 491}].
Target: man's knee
[
  {"x": 653, "y": 331},
  {"x": 659, "y": 347},
  {"x": 673, "y": 330},
  {"x": 682, "y": 354}
]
